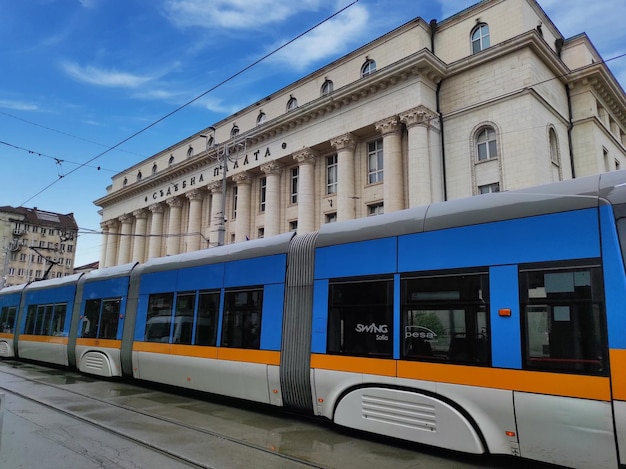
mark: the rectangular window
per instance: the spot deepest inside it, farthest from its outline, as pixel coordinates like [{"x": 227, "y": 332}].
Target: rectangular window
[
  {"x": 294, "y": 185},
  {"x": 7, "y": 319},
  {"x": 206, "y": 321},
  {"x": 183, "y": 318},
  {"x": 31, "y": 317},
  {"x": 331, "y": 174},
  {"x": 331, "y": 217},
  {"x": 235, "y": 202},
  {"x": 159, "y": 318},
  {"x": 70, "y": 248},
  {"x": 293, "y": 225},
  {"x": 563, "y": 320},
  {"x": 445, "y": 318},
  {"x": 241, "y": 326},
  {"x": 260, "y": 233},
  {"x": 489, "y": 188},
  {"x": 91, "y": 319},
  {"x": 263, "y": 193},
  {"x": 375, "y": 209},
  {"x": 375, "y": 161},
  {"x": 360, "y": 317}
]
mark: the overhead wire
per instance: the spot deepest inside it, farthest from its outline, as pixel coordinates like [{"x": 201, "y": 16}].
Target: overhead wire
[{"x": 183, "y": 106}]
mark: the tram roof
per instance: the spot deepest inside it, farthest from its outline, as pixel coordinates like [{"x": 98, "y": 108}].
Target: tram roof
[
  {"x": 53, "y": 282},
  {"x": 272, "y": 245},
  {"x": 574, "y": 194}
]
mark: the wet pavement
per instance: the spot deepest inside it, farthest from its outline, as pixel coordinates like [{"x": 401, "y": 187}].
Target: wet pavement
[{"x": 58, "y": 419}]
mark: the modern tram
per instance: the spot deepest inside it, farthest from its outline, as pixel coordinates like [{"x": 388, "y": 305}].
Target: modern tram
[{"x": 493, "y": 324}]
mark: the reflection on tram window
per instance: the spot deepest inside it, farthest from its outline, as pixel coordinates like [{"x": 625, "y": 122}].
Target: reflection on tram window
[
  {"x": 242, "y": 319},
  {"x": 46, "y": 320},
  {"x": 159, "y": 319},
  {"x": 7, "y": 319},
  {"x": 445, "y": 318},
  {"x": 563, "y": 320},
  {"x": 101, "y": 319},
  {"x": 360, "y": 317}
]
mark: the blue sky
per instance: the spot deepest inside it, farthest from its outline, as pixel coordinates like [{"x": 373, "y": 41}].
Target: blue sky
[{"x": 81, "y": 76}]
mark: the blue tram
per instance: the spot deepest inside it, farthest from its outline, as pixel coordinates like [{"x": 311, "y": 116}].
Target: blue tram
[{"x": 489, "y": 324}]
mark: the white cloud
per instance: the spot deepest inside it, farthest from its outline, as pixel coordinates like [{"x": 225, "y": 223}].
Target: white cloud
[
  {"x": 336, "y": 35},
  {"x": 100, "y": 77},
  {"x": 234, "y": 14},
  {"x": 18, "y": 105}
]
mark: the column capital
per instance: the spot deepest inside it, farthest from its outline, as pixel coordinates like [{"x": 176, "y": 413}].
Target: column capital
[
  {"x": 104, "y": 226},
  {"x": 140, "y": 214},
  {"x": 270, "y": 167},
  {"x": 390, "y": 125},
  {"x": 306, "y": 155},
  {"x": 126, "y": 218},
  {"x": 215, "y": 186},
  {"x": 344, "y": 142},
  {"x": 175, "y": 202},
  {"x": 111, "y": 223},
  {"x": 420, "y": 115},
  {"x": 195, "y": 194},
  {"x": 156, "y": 208},
  {"x": 242, "y": 179}
]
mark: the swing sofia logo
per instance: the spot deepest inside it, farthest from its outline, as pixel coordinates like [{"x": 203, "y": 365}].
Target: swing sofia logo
[{"x": 381, "y": 330}]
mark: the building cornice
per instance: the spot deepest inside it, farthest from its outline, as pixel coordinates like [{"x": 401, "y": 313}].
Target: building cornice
[{"x": 422, "y": 64}]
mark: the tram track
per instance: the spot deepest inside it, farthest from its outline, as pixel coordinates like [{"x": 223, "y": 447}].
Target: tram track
[{"x": 176, "y": 427}]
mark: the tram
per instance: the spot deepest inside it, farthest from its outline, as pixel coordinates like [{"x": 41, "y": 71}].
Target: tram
[{"x": 493, "y": 324}]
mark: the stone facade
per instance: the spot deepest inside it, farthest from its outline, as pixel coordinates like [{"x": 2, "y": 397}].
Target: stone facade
[
  {"x": 490, "y": 99},
  {"x": 35, "y": 245}
]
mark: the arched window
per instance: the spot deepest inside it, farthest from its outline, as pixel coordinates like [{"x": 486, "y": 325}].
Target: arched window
[
  {"x": 139, "y": 176},
  {"x": 234, "y": 131},
  {"x": 190, "y": 152},
  {"x": 554, "y": 147},
  {"x": 124, "y": 182},
  {"x": 171, "y": 161},
  {"x": 154, "y": 169},
  {"x": 327, "y": 88},
  {"x": 480, "y": 38},
  {"x": 292, "y": 104},
  {"x": 261, "y": 118},
  {"x": 486, "y": 144},
  {"x": 368, "y": 67}
]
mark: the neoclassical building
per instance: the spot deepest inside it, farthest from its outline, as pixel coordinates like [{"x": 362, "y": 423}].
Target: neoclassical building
[{"x": 493, "y": 98}]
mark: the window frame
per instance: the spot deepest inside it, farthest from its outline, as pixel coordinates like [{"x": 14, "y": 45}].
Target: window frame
[
  {"x": 480, "y": 38},
  {"x": 368, "y": 68},
  {"x": 375, "y": 161},
  {"x": 331, "y": 174}
]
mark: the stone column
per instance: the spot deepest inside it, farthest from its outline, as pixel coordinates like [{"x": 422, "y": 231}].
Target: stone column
[
  {"x": 422, "y": 171},
  {"x": 111, "y": 243},
  {"x": 306, "y": 189},
  {"x": 172, "y": 245},
  {"x": 194, "y": 227},
  {"x": 242, "y": 226},
  {"x": 393, "y": 177},
  {"x": 123, "y": 256},
  {"x": 156, "y": 231},
  {"x": 139, "y": 242},
  {"x": 216, "y": 211},
  {"x": 345, "y": 145},
  {"x": 103, "y": 247},
  {"x": 272, "y": 198}
]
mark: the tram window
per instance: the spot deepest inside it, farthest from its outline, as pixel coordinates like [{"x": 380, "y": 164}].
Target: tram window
[
  {"x": 44, "y": 317},
  {"x": 91, "y": 319},
  {"x": 159, "y": 319},
  {"x": 57, "y": 320},
  {"x": 110, "y": 319},
  {"x": 445, "y": 318},
  {"x": 563, "y": 320},
  {"x": 183, "y": 320},
  {"x": 31, "y": 317},
  {"x": 242, "y": 319},
  {"x": 208, "y": 309},
  {"x": 360, "y": 318},
  {"x": 7, "y": 319}
]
